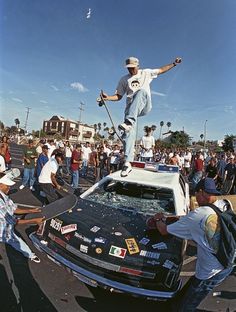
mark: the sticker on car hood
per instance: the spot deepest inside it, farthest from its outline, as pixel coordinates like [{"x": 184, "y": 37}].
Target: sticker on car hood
[
  {"x": 132, "y": 246},
  {"x": 149, "y": 254},
  {"x": 56, "y": 224},
  {"x": 117, "y": 252},
  {"x": 68, "y": 228},
  {"x": 83, "y": 238},
  {"x": 94, "y": 229},
  {"x": 100, "y": 240},
  {"x": 161, "y": 245},
  {"x": 144, "y": 241}
]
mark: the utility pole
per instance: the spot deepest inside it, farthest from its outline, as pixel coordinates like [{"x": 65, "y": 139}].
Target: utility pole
[
  {"x": 205, "y": 132},
  {"x": 26, "y": 119},
  {"x": 80, "y": 117}
]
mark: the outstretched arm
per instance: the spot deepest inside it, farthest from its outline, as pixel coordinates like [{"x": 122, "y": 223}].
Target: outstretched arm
[
  {"x": 165, "y": 68},
  {"x": 115, "y": 97}
]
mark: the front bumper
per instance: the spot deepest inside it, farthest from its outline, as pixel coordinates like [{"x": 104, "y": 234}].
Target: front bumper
[{"x": 95, "y": 280}]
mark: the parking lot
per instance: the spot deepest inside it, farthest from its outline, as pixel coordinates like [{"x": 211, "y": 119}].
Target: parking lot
[{"x": 27, "y": 286}]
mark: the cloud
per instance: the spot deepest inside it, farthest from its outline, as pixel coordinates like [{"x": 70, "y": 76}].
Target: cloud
[
  {"x": 228, "y": 108},
  {"x": 17, "y": 100},
  {"x": 78, "y": 86},
  {"x": 54, "y": 88},
  {"x": 43, "y": 102},
  {"x": 158, "y": 93}
]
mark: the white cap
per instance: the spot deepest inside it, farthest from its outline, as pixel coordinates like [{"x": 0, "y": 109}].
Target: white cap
[
  {"x": 132, "y": 62},
  {"x": 5, "y": 180}
]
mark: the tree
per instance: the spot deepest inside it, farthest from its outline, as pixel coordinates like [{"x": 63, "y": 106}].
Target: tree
[
  {"x": 99, "y": 127},
  {"x": 168, "y": 125},
  {"x": 153, "y": 127},
  {"x": 17, "y": 122},
  {"x": 228, "y": 143},
  {"x": 201, "y": 136},
  {"x": 180, "y": 139},
  {"x": 161, "y": 126},
  {"x": 95, "y": 127},
  {"x": 104, "y": 125}
]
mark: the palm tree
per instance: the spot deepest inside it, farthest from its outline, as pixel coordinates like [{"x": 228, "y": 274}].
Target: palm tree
[
  {"x": 153, "y": 127},
  {"x": 201, "y": 136},
  {"x": 104, "y": 125},
  {"x": 95, "y": 127},
  {"x": 99, "y": 127},
  {"x": 161, "y": 125},
  {"x": 168, "y": 125}
]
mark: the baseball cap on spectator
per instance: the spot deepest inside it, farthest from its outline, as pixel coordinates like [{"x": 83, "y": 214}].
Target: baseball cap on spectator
[
  {"x": 6, "y": 180},
  {"x": 207, "y": 185},
  {"x": 45, "y": 147},
  {"x": 132, "y": 62}
]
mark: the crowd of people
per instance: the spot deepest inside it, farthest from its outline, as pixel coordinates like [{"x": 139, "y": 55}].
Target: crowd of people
[{"x": 81, "y": 160}]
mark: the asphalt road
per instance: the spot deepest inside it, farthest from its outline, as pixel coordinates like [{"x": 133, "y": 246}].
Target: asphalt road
[{"x": 46, "y": 287}]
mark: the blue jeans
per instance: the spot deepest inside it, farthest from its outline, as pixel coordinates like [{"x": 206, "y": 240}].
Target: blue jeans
[
  {"x": 75, "y": 179},
  {"x": 84, "y": 168},
  {"x": 17, "y": 243},
  {"x": 28, "y": 176},
  {"x": 196, "y": 290},
  {"x": 68, "y": 163},
  {"x": 140, "y": 106}
]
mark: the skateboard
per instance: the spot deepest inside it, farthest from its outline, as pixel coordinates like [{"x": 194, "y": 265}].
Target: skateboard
[
  {"x": 112, "y": 131},
  {"x": 227, "y": 186},
  {"x": 54, "y": 209}
]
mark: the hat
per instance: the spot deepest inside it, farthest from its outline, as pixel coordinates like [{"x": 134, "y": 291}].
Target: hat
[
  {"x": 132, "y": 62},
  {"x": 45, "y": 147},
  {"x": 5, "y": 180},
  {"x": 207, "y": 185}
]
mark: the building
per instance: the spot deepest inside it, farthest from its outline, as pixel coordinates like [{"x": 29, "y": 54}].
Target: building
[{"x": 68, "y": 129}]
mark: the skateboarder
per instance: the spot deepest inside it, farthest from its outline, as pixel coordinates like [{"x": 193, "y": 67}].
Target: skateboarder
[
  {"x": 8, "y": 221},
  {"x": 136, "y": 86}
]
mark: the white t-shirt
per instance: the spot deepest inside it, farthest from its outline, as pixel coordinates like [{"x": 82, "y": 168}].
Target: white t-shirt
[
  {"x": 187, "y": 160},
  {"x": 148, "y": 142},
  {"x": 86, "y": 151},
  {"x": 201, "y": 226},
  {"x": 115, "y": 157},
  {"x": 68, "y": 151},
  {"x": 2, "y": 164},
  {"x": 51, "y": 166},
  {"x": 129, "y": 85}
]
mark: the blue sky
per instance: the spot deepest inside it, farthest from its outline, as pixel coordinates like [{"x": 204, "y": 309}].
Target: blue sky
[{"x": 55, "y": 54}]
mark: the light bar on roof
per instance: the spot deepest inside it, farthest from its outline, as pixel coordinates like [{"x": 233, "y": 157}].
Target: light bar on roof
[{"x": 167, "y": 168}]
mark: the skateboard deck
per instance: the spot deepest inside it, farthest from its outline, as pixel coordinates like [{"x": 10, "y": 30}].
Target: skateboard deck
[
  {"x": 227, "y": 186},
  {"x": 54, "y": 209},
  {"x": 13, "y": 173}
]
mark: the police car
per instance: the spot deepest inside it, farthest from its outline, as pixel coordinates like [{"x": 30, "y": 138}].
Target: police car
[{"x": 105, "y": 241}]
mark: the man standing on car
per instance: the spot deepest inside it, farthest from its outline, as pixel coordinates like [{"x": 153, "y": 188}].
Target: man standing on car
[
  {"x": 136, "y": 86},
  {"x": 202, "y": 226},
  {"x": 47, "y": 178}
]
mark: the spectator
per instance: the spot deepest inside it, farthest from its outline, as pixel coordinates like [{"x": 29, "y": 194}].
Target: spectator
[
  {"x": 147, "y": 145},
  {"x": 47, "y": 178},
  {"x": 101, "y": 163},
  {"x": 114, "y": 158},
  {"x": 76, "y": 161},
  {"x": 5, "y": 152},
  {"x": 68, "y": 154},
  {"x": 85, "y": 157},
  {"x": 8, "y": 220},
  {"x": 211, "y": 169},
  {"x": 29, "y": 158},
  {"x": 42, "y": 160},
  {"x": 202, "y": 226},
  {"x": 197, "y": 169}
]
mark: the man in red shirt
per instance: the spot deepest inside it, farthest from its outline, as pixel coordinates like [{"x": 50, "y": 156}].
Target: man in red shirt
[
  {"x": 76, "y": 162},
  {"x": 198, "y": 169}
]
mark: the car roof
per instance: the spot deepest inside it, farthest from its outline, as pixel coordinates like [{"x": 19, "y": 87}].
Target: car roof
[{"x": 148, "y": 177}]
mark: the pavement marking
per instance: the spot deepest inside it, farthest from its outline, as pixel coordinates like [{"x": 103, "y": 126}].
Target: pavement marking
[{"x": 190, "y": 259}]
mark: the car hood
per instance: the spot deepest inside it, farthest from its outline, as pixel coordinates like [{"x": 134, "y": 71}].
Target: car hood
[{"x": 116, "y": 236}]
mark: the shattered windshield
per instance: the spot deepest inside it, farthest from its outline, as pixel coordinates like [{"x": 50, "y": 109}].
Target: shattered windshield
[{"x": 134, "y": 197}]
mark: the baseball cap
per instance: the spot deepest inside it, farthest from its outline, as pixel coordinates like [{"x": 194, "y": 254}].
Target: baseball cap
[
  {"x": 207, "y": 185},
  {"x": 131, "y": 62},
  {"x": 5, "y": 180},
  {"x": 45, "y": 147}
]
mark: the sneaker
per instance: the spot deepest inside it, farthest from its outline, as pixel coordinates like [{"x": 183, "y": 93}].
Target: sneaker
[
  {"x": 21, "y": 187},
  {"x": 35, "y": 259},
  {"x": 126, "y": 169},
  {"x": 125, "y": 127},
  {"x": 32, "y": 189}
]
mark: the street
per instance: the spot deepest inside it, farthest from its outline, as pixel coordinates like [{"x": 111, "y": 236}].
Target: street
[{"x": 46, "y": 287}]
